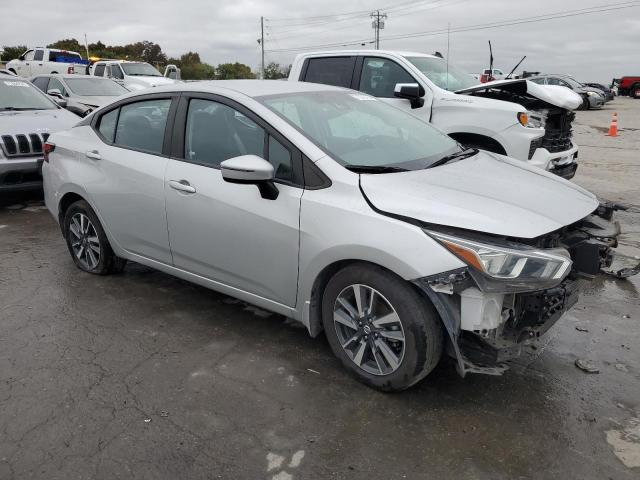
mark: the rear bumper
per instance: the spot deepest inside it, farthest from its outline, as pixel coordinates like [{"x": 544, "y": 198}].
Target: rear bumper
[{"x": 20, "y": 174}]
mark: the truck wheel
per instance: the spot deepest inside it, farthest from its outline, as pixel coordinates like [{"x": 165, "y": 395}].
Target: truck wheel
[
  {"x": 635, "y": 92},
  {"x": 382, "y": 331},
  {"x": 87, "y": 242}
]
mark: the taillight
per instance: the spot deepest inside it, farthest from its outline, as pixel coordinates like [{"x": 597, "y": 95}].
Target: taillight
[{"x": 48, "y": 148}]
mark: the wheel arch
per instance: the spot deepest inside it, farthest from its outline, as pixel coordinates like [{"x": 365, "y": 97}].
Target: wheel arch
[
  {"x": 65, "y": 202},
  {"x": 314, "y": 314},
  {"x": 482, "y": 141}
]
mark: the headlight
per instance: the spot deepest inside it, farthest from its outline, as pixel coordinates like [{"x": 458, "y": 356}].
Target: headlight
[
  {"x": 531, "y": 119},
  {"x": 510, "y": 267},
  {"x": 591, "y": 94}
]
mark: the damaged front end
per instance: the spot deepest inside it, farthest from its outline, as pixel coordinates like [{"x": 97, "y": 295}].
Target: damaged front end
[{"x": 514, "y": 290}]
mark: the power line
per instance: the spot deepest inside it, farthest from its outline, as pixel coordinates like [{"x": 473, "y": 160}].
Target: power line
[{"x": 504, "y": 23}]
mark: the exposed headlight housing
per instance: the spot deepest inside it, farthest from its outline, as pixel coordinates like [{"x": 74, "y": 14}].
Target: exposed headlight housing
[
  {"x": 591, "y": 94},
  {"x": 511, "y": 267},
  {"x": 531, "y": 119}
]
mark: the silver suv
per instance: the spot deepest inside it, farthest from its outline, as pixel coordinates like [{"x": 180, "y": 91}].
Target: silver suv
[{"x": 27, "y": 118}]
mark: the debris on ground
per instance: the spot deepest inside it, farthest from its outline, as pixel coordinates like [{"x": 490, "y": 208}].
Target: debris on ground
[
  {"x": 147, "y": 420},
  {"x": 17, "y": 206},
  {"x": 586, "y": 365},
  {"x": 621, "y": 367},
  {"x": 313, "y": 371},
  {"x": 164, "y": 413},
  {"x": 581, "y": 328}
]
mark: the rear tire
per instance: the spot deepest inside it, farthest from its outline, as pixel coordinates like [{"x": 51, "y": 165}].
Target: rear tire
[
  {"x": 87, "y": 241},
  {"x": 389, "y": 339}
]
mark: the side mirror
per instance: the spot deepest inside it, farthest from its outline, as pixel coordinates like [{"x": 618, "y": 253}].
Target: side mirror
[
  {"x": 251, "y": 170},
  {"x": 412, "y": 92},
  {"x": 60, "y": 102},
  {"x": 54, "y": 92}
]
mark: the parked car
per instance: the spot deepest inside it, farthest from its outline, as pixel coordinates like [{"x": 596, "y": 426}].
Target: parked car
[
  {"x": 132, "y": 75},
  {"x": 606, "y": 91},
  {"x": 510, "y": 117},
  {"x": 40, "y": 60},
  {"x": 591, "y": 98},
  {"x": 82, "y": 93},
  {"x": 27, "y": 117},
  {"x": 333, "y": 208},
  {"x": 629, "y": 85},
  {"x": 489, "y": 75}
]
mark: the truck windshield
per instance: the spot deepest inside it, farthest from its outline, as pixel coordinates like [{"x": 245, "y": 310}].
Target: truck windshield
[
  {"x": 450, "y": 78},
  {"x": 140, "y": 69},
  {"x": 95, "y": 86},
  {"x": 19, "y": 95},
  {"x": 358, "y": 130}
]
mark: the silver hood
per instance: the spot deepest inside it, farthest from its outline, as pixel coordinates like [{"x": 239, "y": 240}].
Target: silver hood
[
  {"x": 553, "y": 94},
  {"x": 36, "y": 121},
  {"x": 486, "y": 193}
]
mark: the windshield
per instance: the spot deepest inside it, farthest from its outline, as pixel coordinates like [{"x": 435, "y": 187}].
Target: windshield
[
  {"x": 572, "y": 82},
  {"x": 95, "y": 87},
  {"x": 19, "y": 95},
  {"x": 450, "y": 78},
  {"x": 137, "y": 69},
  {"x": 359, "y": 130}
]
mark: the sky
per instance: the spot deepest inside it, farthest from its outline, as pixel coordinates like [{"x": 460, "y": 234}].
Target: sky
[{"x": 593, "y": 47}]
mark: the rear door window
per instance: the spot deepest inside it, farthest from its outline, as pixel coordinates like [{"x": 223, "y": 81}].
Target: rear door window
[
  {"x": 41, "y": 83},
  {"x": 336, "y": 71},
  {"x": 141, "y": 125},
  {"x": 99, "y": 70},
  {"x": 39, "y": 55},
  {"x": 380, "y": 76}
]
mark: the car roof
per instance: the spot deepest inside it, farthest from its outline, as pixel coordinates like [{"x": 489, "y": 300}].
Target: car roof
[
  {"x": 250, "y": 88},
  {"x": 370, "y": 53}
]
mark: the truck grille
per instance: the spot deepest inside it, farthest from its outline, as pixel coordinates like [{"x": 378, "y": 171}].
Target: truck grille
[
  {"x": 558, "y": 132},
  {"x": 23, "y": 145}
]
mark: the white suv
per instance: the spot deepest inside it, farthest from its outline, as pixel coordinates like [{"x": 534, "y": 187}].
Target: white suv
[
  {"x": 333, "y": 208},
  {"x": 516, "y": 118}
]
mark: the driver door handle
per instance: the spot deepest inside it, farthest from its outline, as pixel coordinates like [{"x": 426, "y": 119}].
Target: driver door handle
[
  {"x": 182, "y": 186},
  {"x": 93, "y": 154}
]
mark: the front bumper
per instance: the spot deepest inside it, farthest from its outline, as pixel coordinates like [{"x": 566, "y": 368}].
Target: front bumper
[
  {"x": 20, "y": 174},
  {"x": 487, "y": 329},
  {"x": 562, "y": 163}
]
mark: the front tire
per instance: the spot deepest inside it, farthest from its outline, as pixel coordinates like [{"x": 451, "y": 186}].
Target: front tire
[
  {"x": 383, "y": 332},
  {"x": 87, "y": 241}
]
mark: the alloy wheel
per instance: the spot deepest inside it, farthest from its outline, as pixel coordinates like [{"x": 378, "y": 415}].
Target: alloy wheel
[
  {"x": 84, "y": 241},
  {"x": 369, "y": 329}
]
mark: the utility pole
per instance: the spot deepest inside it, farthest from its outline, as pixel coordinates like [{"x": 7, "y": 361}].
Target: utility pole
[
  {"x": 262, "y": 46},
  {"x": 86, "y": 45},
  {"x": 378, "y": 24}
]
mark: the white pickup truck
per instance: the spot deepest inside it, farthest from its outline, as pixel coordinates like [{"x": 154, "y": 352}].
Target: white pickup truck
[
  {"x": 134, "y": 75},
  {"x": 516, "y": 118},
  {"x": 38, "y": 61}
]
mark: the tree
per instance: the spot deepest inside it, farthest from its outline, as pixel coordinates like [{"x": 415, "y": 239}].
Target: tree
[
  {"x": 228, "y": 71},
  {"x": 275, "y": 71},
  {"x": 67, "y": 44},
  {"x": 11, "y": 53}
]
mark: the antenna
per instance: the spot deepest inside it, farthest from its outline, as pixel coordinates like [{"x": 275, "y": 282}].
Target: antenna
[
  {"x": 448, "y": 32},
  {"x": 514, "y": 68},
  {"x": 490, "y": 60}
]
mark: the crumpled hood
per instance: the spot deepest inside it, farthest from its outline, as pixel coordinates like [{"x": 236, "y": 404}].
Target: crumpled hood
[
  {"x": 36, "y": 121},
  {"x": 486, "y": 193},
  {"x": 553, "y": 94}
]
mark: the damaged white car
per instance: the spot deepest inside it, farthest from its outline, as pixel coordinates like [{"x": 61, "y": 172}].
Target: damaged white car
[
  {"x": 516, "y": 118},
  {"x": 333, "y": 208}
]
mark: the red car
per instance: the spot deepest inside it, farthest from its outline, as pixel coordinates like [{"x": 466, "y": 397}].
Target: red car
[{"x": 629, "y": 86}]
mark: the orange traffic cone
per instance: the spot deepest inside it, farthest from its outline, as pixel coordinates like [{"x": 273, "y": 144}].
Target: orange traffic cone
[{"x": 613, "y": 128}]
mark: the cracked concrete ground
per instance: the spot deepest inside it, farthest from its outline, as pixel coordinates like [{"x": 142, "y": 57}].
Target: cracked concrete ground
[{"x": 145, "y": 376}]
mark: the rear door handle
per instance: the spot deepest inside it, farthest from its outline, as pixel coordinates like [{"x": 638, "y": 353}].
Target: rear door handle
[
  {"x": 93, "y": 154},
  {"x": 182, "y": 186}
]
